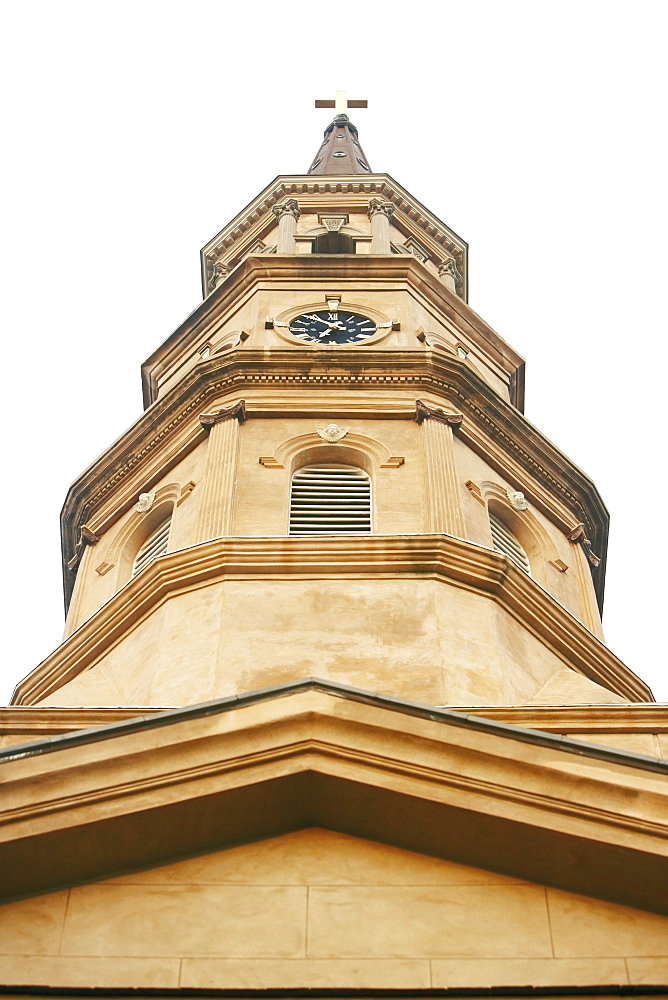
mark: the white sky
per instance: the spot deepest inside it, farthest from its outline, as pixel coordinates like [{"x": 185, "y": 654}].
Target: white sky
[{"x": 135, "y": 130}]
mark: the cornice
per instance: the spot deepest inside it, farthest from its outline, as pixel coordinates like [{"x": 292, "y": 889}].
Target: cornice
[
  {"x": 492, "y": 427},
  {"x": 623, "y": 719},
  {"x": 539, "y": 807},
  {"x": 453, "y": 560},
  {"x": 590, "y": 719}
]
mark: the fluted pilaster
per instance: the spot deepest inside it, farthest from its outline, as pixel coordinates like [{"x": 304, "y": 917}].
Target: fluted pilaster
[
  {"x": 443, "y": 501},
  {"x": 216, "y": 503}
]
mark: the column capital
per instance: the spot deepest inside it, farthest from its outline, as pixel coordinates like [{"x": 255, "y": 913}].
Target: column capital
[
  {"x": 425, "y": 412},
  {"x": 448, "y": 268},
  {"x": 379, "y": 207},
  {"x": 287, "y": 207},
  {"x": 238, "y": 410},
  {"x": 220, "y": 272}
]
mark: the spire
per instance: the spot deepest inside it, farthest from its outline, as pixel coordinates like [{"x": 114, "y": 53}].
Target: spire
[{"x": 340, "y": 152}]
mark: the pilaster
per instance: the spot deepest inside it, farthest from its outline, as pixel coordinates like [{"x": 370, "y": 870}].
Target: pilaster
[
  {"x": 441, "y": 484},
  {"x": 216, "y": 499}
]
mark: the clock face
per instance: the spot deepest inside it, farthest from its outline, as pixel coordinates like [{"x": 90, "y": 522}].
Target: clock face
[{"x": 332, "y": 328}]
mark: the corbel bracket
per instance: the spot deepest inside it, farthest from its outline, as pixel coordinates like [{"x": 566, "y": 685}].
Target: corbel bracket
[
  {"x": 86, "y": 537},
  {"x": 238, "y": 410},
  {"x": 578, "y": 535},
  {"x": 424, "y": 412}
]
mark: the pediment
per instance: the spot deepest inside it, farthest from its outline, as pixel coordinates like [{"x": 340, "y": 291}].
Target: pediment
[
  {"x": 317, "y": 908},
  {"x": 189, "y": 781}
]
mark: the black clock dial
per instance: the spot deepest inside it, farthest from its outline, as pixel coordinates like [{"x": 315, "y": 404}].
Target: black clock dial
[{"x": 332, "y": 328}]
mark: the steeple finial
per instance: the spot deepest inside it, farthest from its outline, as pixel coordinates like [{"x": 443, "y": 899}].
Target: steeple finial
[
  {"x": 340, "y": 153},
  {"x": 341, "y": 103}
]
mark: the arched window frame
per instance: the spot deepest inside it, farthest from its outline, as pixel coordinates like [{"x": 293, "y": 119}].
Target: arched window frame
[
  {"x": 362, "y": 517},
  {"x": 505, "y": 541},
  {"x": 312, "y": 450},
  {"x": 139, "y": 526},
  {"x": 154, "y": 545}
]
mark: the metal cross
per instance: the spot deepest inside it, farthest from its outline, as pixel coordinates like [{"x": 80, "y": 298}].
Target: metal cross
[{"x": 341, "y": 103}]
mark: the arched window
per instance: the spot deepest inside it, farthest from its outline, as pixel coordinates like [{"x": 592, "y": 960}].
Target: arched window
[
  {"x": 154, "y": 546},
  {"x": 330, "y": 499},
  {"x": 504, "y": 541}
]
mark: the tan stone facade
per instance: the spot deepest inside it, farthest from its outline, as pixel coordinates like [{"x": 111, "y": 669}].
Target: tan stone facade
[{"x": 396, "y": 758}]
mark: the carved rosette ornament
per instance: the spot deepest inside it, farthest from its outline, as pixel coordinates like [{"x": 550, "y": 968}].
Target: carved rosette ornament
[
  {"x": 517, "y": 500},
  {"x": 332, "y": 433}
]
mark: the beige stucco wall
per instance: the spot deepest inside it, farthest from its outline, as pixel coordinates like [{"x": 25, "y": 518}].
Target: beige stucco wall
[
  {"x": 417, "y": 638},
  {"x": 319, "y": 909}
]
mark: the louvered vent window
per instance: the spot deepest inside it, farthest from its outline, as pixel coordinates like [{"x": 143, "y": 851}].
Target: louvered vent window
[
  {"x": 505, "y": 541},
  {"x": 155, "y": 545},
  {"x": 327, "y": 499}
]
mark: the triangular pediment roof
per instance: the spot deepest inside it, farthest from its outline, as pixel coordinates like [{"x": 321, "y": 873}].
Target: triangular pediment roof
[{"x": 527, "y": 804}]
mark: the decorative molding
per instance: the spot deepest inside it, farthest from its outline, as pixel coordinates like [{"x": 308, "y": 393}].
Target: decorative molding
[
  {"x": 333, "y": 223},
  {"x": 238, "y": 410},
  {"x": 288, "y": 207},
  {"x": 559, "y": 565},
  {"x": 516, "y": 499},
  {"x": 86, "y": 537},
  {"x": 379, "y": 207},
  {"x": 457, "y": 562},
  {"x": 332, "y": 433},
  {"x": 185, "y": 492},
  {"x": 104, "y": 567},
  {"x": 145, "y": 502},
  {"x": 220, "y": 273},
  {"x": 475, "y": 491},
  {"x": 448, "y": 267},
  {"x": 424, "y": 412},
  {"x": 648, "y": 718},
  {"x": 416, "y": 249},
  {"x": 393, "y": 463},
  {"x": 270, "y": 462},
  {"x": 493, "y": 428},
  {"x": 578, "y": 535}
]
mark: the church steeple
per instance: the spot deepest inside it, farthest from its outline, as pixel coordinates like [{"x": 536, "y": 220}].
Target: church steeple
[{"x": 340, "y": 152}]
